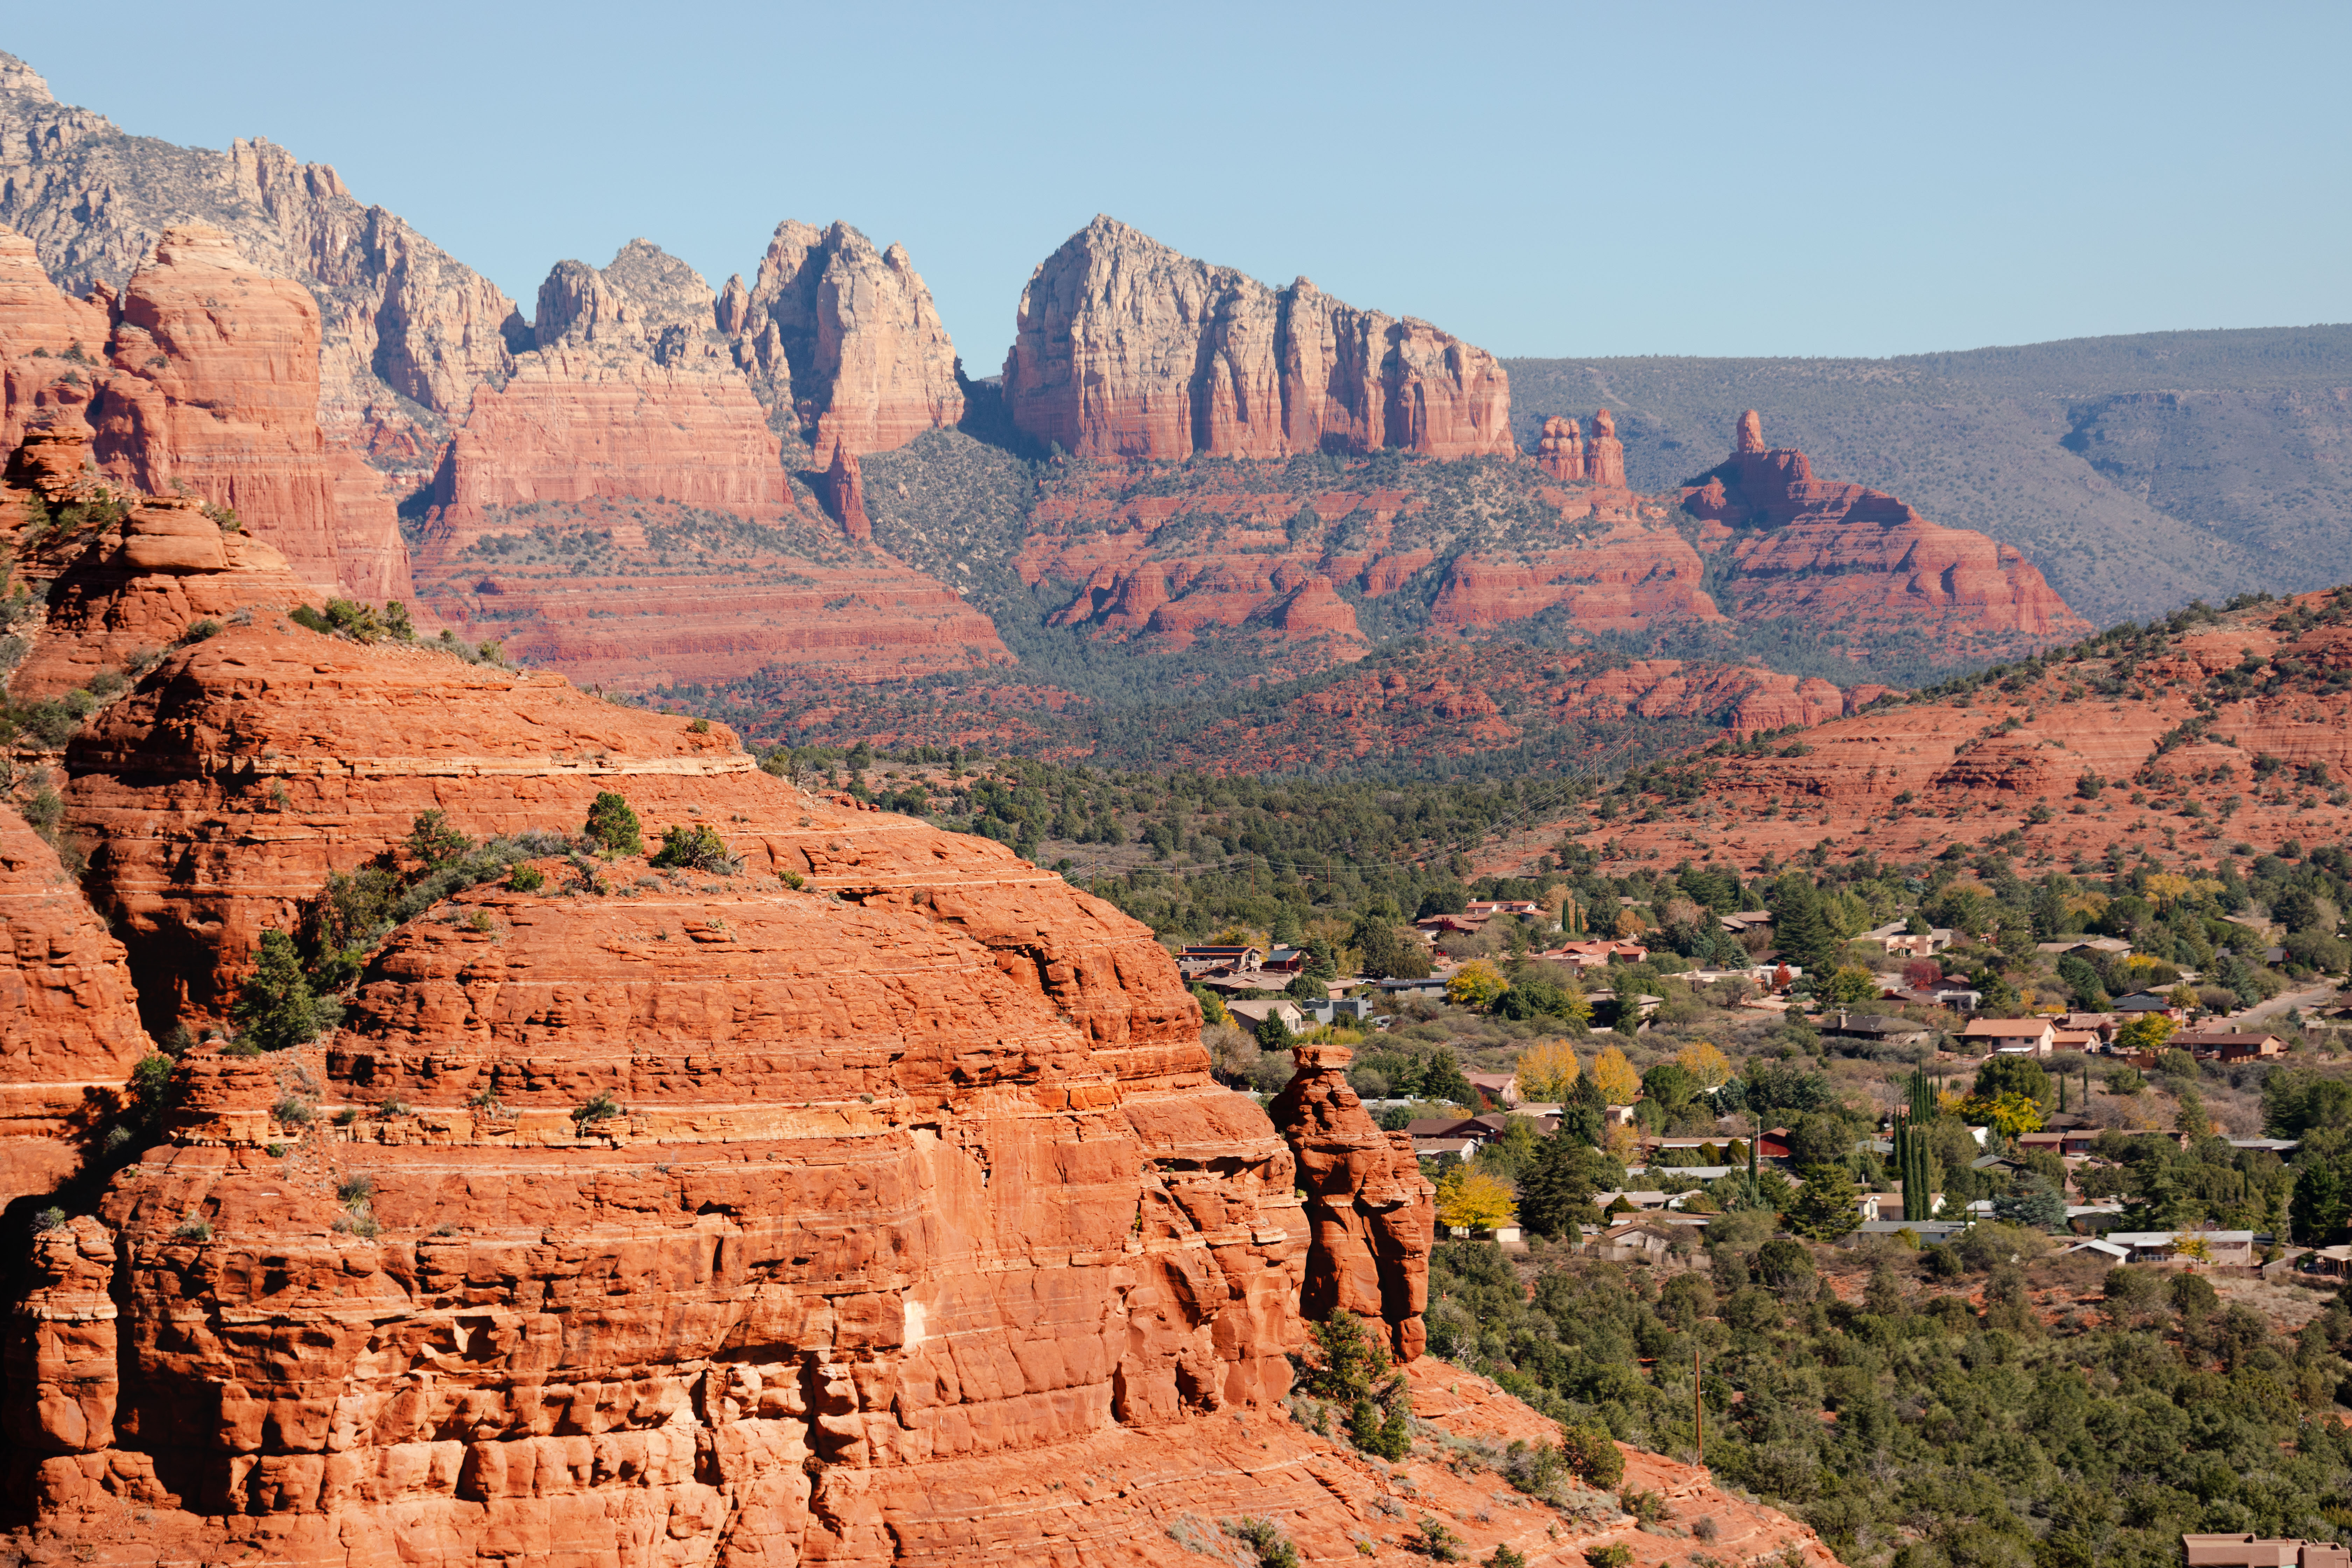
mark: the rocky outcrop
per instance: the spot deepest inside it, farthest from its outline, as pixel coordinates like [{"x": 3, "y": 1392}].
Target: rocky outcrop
[
  {"x": 1127, "y": 349},
  {"x": 1859, "y": 560},
  {"x": 1371, "y": 1213},
  {"x": 405, "y": 331},
  {"x": 845, "y": 494},
  {"x": 1560, "y": 450},
  {"x": 69, "y": 1029},
  {"x": 842, "y": 343},
  {"x": 136, "y": 586},
  {"x": 208, "y": 387},
  {"x": 1634, "y": 575},
  {"x": 1604, "y": 464}
]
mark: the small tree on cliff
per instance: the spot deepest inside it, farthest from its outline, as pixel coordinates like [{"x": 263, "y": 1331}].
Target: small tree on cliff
[
  {"x": 613, "y": 824},
  {"x": 274, "y": 1004}
]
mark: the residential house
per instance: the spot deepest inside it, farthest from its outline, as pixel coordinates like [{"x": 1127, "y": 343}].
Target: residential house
[
  {"x": 1444, "y": 1148},
  {"x": 1364, "y": 1009},
  {"x": 2234, "y": 1247},
  {"x": 2012, "y": 1037},
  {"x": 2282, "y": 1147},
  {"x": 1596, "y": 953},
  {"x": 1916, "y": 944},
  {"x": 1877, "y": 1029},
  {"x": 1772, "y": 1143},
  {"x": 2102, "y": 1025},
  {"x": 1746, "y": 921},
  {"x": 2068, "y": 1143},
  {"x": 1499, "y": 1090},
  {"x": 1257, "y": 1012},
  {"x": 1429, "y": 985},
  {"x": 1636, "y": 1241},
  {"x": 2256, "y": 1551},
  {"x": 2144, "y": 1002},
  {"x": 2109, "y": 946},
  {"x": 1222, "y": 955},
  {"x": 2213, "y": 1045},
  {"x": 2083, "y": 1042},
  {"x": 1489, "y": 908}
]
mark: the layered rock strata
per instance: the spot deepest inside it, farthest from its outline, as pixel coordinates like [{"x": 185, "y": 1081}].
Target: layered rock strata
[
  {"x": 1370, "y": 1214},
  {"x": 1842, "y": 556},
  {"x": 1560, "y": 450},
  {"x": 1127, "y": 349},
  {"x": 208, "y": 386},
  {"x": 69, "y": 1029},
  {"x": 405, "y": 331}
]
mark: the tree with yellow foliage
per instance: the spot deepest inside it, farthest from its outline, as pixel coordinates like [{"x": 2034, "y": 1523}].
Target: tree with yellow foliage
[
  {"x": 1615, "y": 1078},
  {"x": 1471, "y": 1199},
  {"x": 1629, "y": 925},
  {"x": 1547, "y": 1071},
  {"x": 1477, "y": 984},
  {"x": 1704, "y": 1062}
]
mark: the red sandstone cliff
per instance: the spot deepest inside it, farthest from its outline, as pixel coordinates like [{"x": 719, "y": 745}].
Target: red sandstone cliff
[
  {"x": 405, "y": 331},
  {"x": 620, "y": 511},
  {"x": 69, "y": 1030},
  {"x": 842, "y": 341},
  {"x": 1856, "y": 559},
  {"x": 208, "y": 386},
  {"x": 1127, "y": 349}
]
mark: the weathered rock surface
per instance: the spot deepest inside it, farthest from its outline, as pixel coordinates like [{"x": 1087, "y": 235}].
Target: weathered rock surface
[
  {"x": 208, "y": 386},
  {"x": 1560, "y": 450},
  {"x": 1604, "y": 463},
  {"x": 619, "y": 510},
  {"x": 69, "y": 1029},
  {"x": 406, "y": 331},
  {"x": 1859, "y": 560},
  {"x": 1127, "y": 349},
  {"x": 842, "y": 343},
  {"x": 1370, "y": 1214}
]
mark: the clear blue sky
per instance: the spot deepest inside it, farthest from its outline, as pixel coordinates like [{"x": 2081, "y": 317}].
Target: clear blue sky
[{"x": 1548, "y": 179}]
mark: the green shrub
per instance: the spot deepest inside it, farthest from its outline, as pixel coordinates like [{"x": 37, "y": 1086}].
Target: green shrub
[
  {"x": 1591, "y": 1457},
  {"x": 292, "y": 1111},
  {"x": 696, "y": 848},
  {"x": 200, "y": 631},
  {"x": 1351, "y": 1359},
  {"x": 1616, "y": 1555},
  {"x": 613, "y": 824},
  {"x": 1437, "y": 1543},
  {"x": 276, "y": 1003},
  {"x": 193, "y": 1229},
  {"x": 599, "y": 1107},
  {"x": 433, "y": 842},
  {"x": 527, "y": 879},
  {"x": 1263, "y": 1537},
  {"x": 49, "y": 1219},
  {"x": 356, "y": 1188}
]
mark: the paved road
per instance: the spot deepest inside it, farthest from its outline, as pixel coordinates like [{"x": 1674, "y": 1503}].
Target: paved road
[{"x": 2284, "y": 1003}]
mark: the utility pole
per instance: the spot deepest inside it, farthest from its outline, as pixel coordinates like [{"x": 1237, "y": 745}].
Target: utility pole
[{"x": 1698, "y": 1408}]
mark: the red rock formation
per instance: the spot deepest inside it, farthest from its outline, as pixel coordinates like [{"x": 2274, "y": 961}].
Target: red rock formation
[
  {"x": 1749, "y": 439},
  {"x": 1127, "y": 349},
  {"x": 1859, "y": 560},
  {"x": 2018, "y": 757},
  {"x": 1370, "y": 1214},
  {"x": 1633, "y": 576},
  {"x": 843, "y": 341},
  {"x": 136, "y": 586},
  {"x": 662, "y": 542},
  {"x": 1560, "y": 451},
  {"x": 210, "y": 386},
  {"x": 69, "y": 1030},
  {"x": 846, "y": 494},
  {"x": 406, "y": 333},
  {"x": 1605, "y": 464}
]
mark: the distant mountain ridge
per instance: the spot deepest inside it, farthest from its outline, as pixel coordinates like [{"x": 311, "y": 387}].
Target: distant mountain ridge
[{"x": 2139, "y": 472}]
